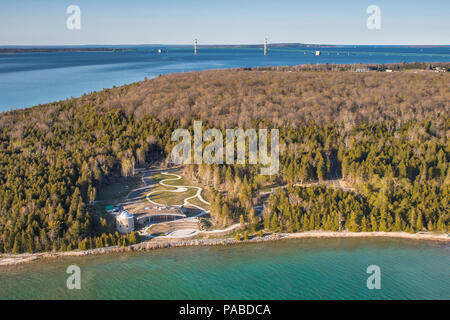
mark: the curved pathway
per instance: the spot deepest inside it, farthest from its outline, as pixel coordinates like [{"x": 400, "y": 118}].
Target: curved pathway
[
  {"x": 180, "y": 189},
  {"x": 183, "y": 233}
]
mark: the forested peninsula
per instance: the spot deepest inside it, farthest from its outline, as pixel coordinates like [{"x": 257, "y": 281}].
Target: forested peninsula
[{"x": 359, "y": 151}]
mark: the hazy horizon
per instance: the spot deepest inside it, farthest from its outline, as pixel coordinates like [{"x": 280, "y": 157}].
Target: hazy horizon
[
  {"x": 176, "y": 22},
  {"x": 220, "y": 44}
]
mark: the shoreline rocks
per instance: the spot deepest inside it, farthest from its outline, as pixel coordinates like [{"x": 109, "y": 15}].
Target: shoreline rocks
[{"x": 13, "y": 259}]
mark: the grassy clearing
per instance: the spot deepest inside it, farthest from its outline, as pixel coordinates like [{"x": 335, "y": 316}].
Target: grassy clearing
[
  {"x": 181, "y": 182},
  {"x": 197, "y": 202},
  {"x": 157, "y": 177},
  {"x": 171, "y": 198}
]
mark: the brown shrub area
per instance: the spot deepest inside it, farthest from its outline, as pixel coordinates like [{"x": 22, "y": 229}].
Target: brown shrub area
[{"x": 236, "y": 97}]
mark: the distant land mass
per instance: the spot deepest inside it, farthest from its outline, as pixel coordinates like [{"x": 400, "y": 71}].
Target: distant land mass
[
  {"x": 94, "y": 48},
  {"x": 30, "y": 50},
  {"x": 111, "y": 48},
  {"x": 312, "y": 45},
  {"x": 269, "y": 45}
]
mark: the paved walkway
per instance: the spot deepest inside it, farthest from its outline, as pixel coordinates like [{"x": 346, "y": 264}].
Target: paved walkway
[
  {"x": 198, "y": 194},
  {"x": 183, "y": 233}
]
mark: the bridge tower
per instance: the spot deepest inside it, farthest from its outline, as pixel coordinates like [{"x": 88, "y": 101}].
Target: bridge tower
[{"x": 265, "y": 46}]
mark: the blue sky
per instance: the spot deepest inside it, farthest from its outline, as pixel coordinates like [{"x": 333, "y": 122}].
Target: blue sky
[{"x": 43, "y": 22}]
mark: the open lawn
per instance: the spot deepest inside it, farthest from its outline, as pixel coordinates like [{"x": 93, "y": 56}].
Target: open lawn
[
  {"x": 171, "y": 198},
  {"x": 176, "y": 198},
  {"x": 180, "y": 182},
  {"x": 197, "y": 202}
]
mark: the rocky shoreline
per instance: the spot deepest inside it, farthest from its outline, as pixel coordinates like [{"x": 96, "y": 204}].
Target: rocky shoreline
[{"x": 13, "y": 259}]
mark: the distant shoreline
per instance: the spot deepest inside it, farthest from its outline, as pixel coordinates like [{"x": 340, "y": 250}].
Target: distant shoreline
[
  {"x": 216, "y": 45},
  {"x": 15, "y": 259},
  {"x": 43, "y": 50}
]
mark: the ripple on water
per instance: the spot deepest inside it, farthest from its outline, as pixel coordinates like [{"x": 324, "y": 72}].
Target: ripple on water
[{"x": 293, "y": 269}]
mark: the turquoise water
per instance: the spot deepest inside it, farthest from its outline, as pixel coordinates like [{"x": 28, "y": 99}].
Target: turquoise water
[
  {"x": 27, "y": 79},
  {"x": 290, "y": 269}
]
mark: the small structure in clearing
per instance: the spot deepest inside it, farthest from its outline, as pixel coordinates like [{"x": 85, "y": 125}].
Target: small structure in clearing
[{"x": 125, "y": 222}]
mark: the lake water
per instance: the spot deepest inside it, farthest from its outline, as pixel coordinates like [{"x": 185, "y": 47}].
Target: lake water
[
  {"x": 27, "y": 79},
  {"x": 288, "y": 269}
]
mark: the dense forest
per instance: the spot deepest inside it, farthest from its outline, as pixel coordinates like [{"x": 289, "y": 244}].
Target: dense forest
[
  {"x": 398, "y": 175},
  {"x": 385, "y": 134}
]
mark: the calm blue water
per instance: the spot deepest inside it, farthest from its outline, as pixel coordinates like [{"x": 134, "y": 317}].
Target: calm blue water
[
  {"x": 293, "y": 269},
  {"x": 28, "y": 79}
]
